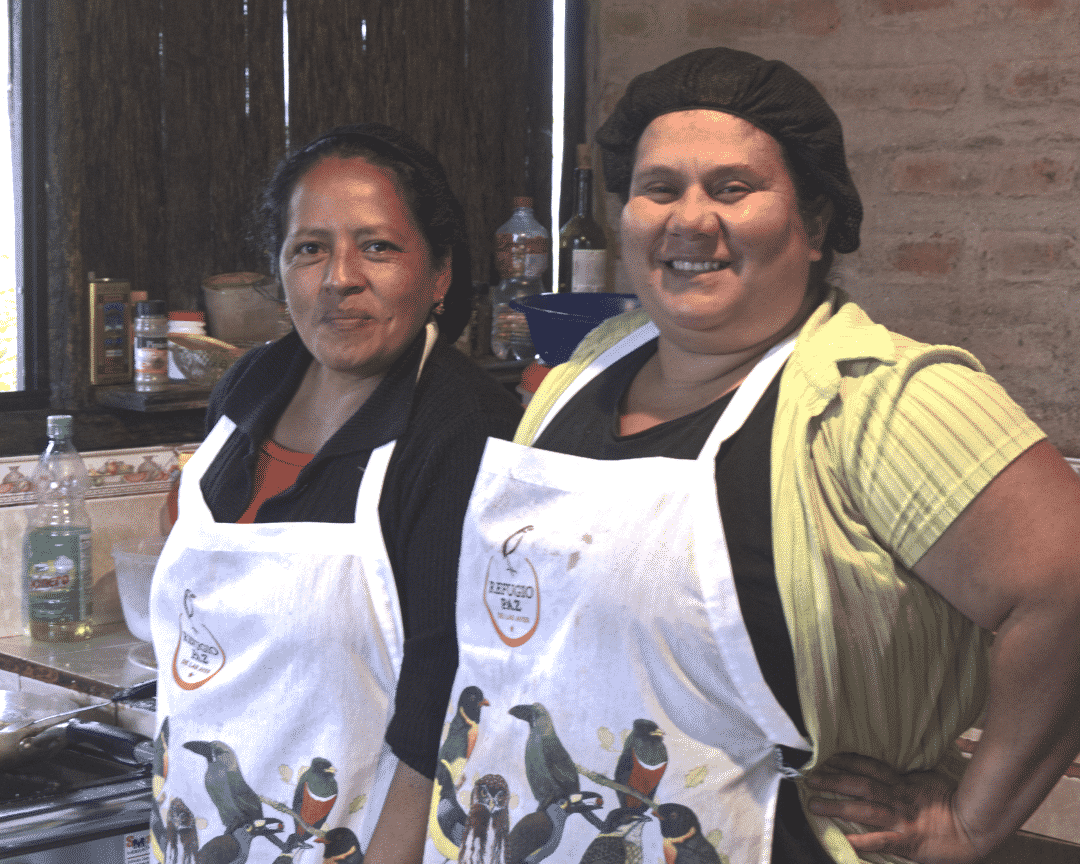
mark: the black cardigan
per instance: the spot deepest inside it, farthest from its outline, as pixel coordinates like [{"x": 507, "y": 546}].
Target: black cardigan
[{"x": 441, "y": 424}]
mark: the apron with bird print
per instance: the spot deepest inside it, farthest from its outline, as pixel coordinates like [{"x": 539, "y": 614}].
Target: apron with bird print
[
  {"x": 279, "y": 647},
  {"x": 608, "y": 706}
]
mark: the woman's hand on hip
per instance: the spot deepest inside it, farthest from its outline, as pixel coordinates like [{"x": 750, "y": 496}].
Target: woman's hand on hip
[{"x": 907, "y": 814}]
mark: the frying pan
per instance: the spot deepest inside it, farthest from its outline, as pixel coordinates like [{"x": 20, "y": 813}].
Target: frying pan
[{"x": 27, "y": 721}]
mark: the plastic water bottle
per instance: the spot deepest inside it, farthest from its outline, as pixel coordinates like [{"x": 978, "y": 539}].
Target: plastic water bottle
[
  {"x": 522, "y": 254},
  {"x": 56, "y": 548}
]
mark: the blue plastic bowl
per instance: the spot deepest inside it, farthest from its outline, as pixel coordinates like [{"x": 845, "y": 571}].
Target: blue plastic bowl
[{"x": 559, "y": 321}]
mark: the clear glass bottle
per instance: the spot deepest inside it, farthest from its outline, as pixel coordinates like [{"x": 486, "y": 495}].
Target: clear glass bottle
[
  {"x": 151, "y": 350},
  {"x": 582, "y": 244},
  {"x": 56, "y": 548},
  {"x": 522, "y": 254}
]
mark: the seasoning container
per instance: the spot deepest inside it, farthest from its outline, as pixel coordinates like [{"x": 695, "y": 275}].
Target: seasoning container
[
  {"x": 110, "y": 331},
  {"x": 151, "y": 351},
  {"x": 183, "y": 323}
]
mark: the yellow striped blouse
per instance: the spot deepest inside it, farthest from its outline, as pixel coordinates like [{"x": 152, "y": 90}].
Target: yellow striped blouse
[{"x": 879, "y": 442}]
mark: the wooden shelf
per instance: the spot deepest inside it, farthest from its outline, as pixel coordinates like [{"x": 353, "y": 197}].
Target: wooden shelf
[{"x": 177, "y": 396}]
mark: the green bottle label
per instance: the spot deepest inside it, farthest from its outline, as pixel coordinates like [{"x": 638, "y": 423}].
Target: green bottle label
[{"x": 58, "y": 574}]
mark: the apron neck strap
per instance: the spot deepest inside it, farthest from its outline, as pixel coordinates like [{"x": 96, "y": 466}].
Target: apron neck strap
[{"x": 747, "y": 396}]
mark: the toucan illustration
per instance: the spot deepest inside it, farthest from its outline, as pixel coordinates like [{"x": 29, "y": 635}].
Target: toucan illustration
[
  {"x": 683, "y": 840},
  {"x": 619, "y": 841},
  {"x": 237, "y": 803},
  {"x": 461, "y": 737},
  {"x": 642, "y": 764}
]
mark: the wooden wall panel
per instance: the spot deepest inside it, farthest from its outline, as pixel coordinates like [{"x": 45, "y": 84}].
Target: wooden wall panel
[
  {"x": 164, "y": 119},
  {"x": 223, "y": 119},
  {"x": 457, "y": 76}
]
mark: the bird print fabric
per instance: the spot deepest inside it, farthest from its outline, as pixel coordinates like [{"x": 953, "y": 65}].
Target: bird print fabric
[
  {"x": 492, "y": 819},
  {"x": 232, "y": 823}
]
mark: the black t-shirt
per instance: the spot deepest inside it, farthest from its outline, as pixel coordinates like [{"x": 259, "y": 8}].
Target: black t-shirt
[
  {"x": 588, "y": 426},
  {"x": 441, "y": 423}
]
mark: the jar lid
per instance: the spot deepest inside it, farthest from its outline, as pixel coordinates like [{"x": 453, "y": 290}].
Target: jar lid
[
  {"x": 183, "y": 315},
  {"x": 58, "y": 425},
  {"x": 150, "y": 309}
]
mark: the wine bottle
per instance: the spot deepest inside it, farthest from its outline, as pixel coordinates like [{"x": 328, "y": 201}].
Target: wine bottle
[{"x": 582, "y": 244}]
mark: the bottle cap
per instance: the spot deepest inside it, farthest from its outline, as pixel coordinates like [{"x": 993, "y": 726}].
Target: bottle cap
[
  {"x": 523, "y": 201},
  {"x": 150, "y": 308},
  {"x": 58, "y": 426},
  {"x": 584, "y": 156},
  {"x": 182, "y": 315}
]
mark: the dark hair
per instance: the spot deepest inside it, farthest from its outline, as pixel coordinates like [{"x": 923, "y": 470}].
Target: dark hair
[
  {"x": 767, "y": 93},
  {"x": 424, "y": 187}
]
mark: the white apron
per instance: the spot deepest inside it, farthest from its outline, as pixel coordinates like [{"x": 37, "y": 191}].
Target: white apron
[
  {"x": 597, "y": 614},
  {"x": 279, "y": 647}
]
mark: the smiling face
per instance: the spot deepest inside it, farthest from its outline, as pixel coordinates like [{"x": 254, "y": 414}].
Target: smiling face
[
  {"x": 711, "y": 233},
  {"x": 356, "y": 269}
]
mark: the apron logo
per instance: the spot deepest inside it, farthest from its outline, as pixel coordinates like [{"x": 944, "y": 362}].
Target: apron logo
[
  {"x": 198, "y": 656},
  {"x": 511, "y": 592}
]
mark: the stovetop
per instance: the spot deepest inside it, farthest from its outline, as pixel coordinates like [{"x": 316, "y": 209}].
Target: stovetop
[
  {"x": 75, "y": 767},
  {"x": 77, "y": 792}
]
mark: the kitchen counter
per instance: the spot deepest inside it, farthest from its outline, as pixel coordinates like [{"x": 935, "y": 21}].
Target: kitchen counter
[
  {"x": 87, "y": 671},
  {"x": 99, "y": 667}
]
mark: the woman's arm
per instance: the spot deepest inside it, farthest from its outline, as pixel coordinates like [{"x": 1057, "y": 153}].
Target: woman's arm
[
  {"x": 1011, "y": 563},
  {"x": 402, "y": 827}
]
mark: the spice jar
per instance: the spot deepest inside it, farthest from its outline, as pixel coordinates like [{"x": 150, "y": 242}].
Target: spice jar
[{"x": 151, "y": 351}]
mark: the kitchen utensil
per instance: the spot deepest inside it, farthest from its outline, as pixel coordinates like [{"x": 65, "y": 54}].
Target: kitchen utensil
[
  {"x": 24, "y": 717},
  {"x": 559, "y": 321}
]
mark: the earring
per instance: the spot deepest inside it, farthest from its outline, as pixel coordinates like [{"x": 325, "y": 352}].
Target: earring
[{"x": 440, "y": 307}]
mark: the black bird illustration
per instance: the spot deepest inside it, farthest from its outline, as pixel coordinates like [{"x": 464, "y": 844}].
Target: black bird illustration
[
  {"x": 161, "y": 759},
  {"x": 642, "y": 764},
  {"x": 462, "y": 734},
  {"x": 159, "y": 838},
  {"x": 446, "y": 823},
  {"x": 232, "y": 847},
  {"x": 488, "y": 820},
  {"x": 619, "y": 841},
  {"x": 342, "y": 847},
  {"x": 236, "y": 802},
  {"x": 316, "y": 792},
  {"x": 683, "y": 841},
  {"x": 548, "y": 767},
  {"x": 537, "y": 835}
]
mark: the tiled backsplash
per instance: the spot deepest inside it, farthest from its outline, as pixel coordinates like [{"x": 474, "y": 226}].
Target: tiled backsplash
[{"x": 127, "y": 489}]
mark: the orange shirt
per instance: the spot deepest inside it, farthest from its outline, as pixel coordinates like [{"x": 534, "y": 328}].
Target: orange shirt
[{"x": 275, "y": 472}]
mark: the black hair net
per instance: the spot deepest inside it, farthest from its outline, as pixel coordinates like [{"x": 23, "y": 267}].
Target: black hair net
[{"x": 769, "y": 94}]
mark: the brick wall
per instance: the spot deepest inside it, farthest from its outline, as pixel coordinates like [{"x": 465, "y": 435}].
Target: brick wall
[{"x": 962, "y": 122}]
